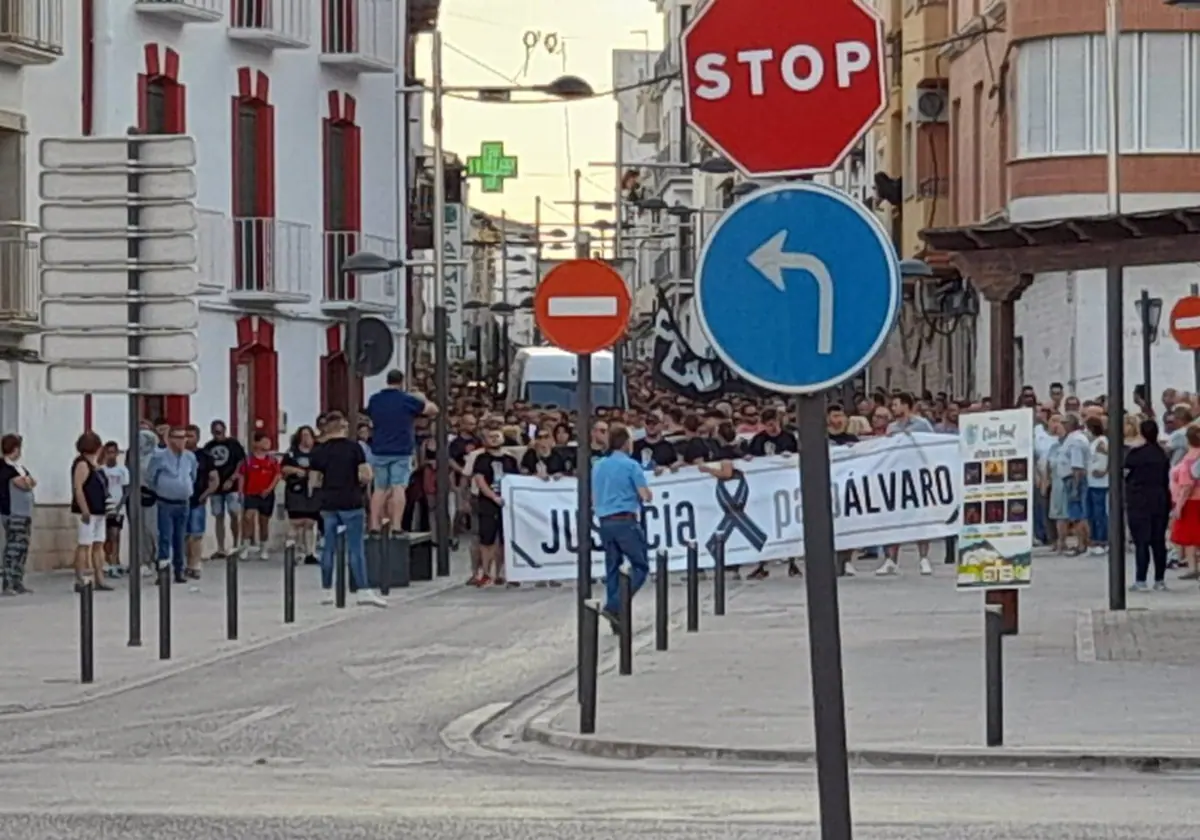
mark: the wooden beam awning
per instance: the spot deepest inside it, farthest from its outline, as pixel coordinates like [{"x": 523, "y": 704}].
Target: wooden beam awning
[{"x": 994, "y": 255}]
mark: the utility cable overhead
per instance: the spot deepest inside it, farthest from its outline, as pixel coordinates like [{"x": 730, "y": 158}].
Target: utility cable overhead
[{"x": 480, "y": 63}]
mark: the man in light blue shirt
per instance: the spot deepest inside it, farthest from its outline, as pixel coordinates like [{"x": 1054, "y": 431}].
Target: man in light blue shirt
[
  {"x": 171, "y": 476},
  {"x": 619, "y": 489}
]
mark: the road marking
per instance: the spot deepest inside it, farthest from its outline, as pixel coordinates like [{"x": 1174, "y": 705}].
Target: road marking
[
  {"x": 582, "y": 307},
  {"x": 245, "y": 721},
  {"x": 1190, "y": 322},
  {"x": 459, "y": 735}
]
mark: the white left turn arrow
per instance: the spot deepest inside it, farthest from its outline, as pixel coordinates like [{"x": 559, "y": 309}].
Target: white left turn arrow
[{"x": 770, "y": 260}]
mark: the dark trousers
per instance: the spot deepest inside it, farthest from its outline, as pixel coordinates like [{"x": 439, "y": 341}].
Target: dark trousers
[
  {"x": 1149, "y": 535},
  {"x": 623, "y": 541}
]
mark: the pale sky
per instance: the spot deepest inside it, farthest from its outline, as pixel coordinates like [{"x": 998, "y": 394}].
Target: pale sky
[{"x": 492, "y": 32}]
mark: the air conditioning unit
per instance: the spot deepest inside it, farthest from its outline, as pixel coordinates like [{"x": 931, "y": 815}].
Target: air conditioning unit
[{"x": 931, "y": 106}]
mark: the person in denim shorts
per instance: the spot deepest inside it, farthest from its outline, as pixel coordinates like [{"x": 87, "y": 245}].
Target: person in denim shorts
[
  {"x": 227, "y": 455},
  {"x": 393, "y": 412}
]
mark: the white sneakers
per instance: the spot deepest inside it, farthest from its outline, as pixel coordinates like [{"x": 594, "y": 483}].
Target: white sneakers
[
  {"x": 370, "y": 598},
  {"x": 889, "y": 567},
  {"x": 365, "y": 597}
]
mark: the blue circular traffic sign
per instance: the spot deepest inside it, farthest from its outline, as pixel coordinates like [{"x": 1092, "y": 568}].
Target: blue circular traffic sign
[{"x": 798, "y": 287}]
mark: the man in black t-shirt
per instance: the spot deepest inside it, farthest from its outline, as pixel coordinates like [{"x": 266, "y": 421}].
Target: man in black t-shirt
[
  {"x": 227, "y": 455},
  {"x": 836, "y": 422},
  {"x": 338, "y": 470},
  {"x": 465, "y": 441},
  {"x": 654, "y": 452},
  {"x": 207, "y": 481},
  {"x": 695, "y": 447},
  {"x": 773, "y": 440},
  {"x": 487, "y": 474}
]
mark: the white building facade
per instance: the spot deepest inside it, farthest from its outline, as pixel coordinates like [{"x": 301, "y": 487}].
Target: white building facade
[{"x": 301, "y": 136}]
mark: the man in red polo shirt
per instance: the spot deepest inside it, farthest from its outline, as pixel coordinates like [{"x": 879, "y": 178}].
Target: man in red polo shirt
[{"x": 260, "y": 474}]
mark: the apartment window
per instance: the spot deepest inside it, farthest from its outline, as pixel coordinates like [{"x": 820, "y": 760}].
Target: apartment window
[
  {"x": 246, "y": 165},
  {"x": 956, "y": 139},
  {"x": 1062, "y": 94}
]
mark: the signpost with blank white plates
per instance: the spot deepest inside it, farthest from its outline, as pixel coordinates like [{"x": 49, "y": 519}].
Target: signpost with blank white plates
[{"x": 118, "y": 285}]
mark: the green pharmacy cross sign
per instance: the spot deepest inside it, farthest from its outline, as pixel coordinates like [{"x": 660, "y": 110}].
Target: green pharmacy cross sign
[{"x": 492, "y": 167}]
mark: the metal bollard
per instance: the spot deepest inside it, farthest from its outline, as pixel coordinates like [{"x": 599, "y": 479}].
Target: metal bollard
[
  {"x": 339, "y": 568},
  {"x": 87, "y": 634},
  {"x": 400, "y": 548},
  {"x": 588, "y": 664},
  {"x": 289, "y": 582},
  {"x": 385, "y": 559},
  {"x": 625, "y": 619},
  {"x": 164, "y": 609},
  {"x": 719, "y": 581},
  {"x": 232, "y": 567},
  {"x": 662, "y": 599},
  {"x": 693, "y": 588},
  {"x": 993, "y": 655}
]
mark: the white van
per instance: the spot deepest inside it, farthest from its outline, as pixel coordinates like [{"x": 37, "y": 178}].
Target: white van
[{"x": 549, "y": 376}]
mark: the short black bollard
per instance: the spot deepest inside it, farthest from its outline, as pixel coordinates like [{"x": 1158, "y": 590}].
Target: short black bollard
[
  {"x": 87, "y": 634},
  {"x": 400, "y": 550},
  {"x": 588, "y": 664},
  {"x": 625, "y": 620},
  {"x": 385, "y": 559},
  {"x": 693, "y": 588},
  {"x": 339, "y": 568},
  {"x": 164, "y": 609},
  {"x": 289, "y": 583},
  {"x": 231, "y": 594},
  {"x": 719, "y": 581},
  {"x": 662, "y": 600},
  {"x": 993, "y": 654}
]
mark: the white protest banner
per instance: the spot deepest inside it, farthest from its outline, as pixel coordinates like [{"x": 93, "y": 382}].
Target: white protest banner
[{"x": 887, "y": 490}]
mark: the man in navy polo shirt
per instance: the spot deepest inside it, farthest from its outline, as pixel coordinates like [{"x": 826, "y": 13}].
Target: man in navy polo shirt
[{"x": 393, "y": 412}]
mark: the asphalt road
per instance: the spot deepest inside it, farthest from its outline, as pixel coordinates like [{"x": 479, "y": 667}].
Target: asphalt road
[{"x": 337, "y": 736}]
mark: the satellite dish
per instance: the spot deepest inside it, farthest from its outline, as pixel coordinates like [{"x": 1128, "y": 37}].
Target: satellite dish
[{"x": 376, "y": 344}]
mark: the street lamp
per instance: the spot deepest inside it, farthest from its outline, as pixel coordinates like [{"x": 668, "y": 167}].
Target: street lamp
[
  {"x": 359, "y": 263},
  {"x": 564, "y": 87}
]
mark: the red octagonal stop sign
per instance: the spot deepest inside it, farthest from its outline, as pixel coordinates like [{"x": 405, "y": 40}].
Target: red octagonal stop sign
[{"x": 783, "y": 87}]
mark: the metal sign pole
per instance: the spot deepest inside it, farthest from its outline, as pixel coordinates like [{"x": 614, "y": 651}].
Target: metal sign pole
[
  {"x": 583, "y": 527},
  {"x": 441, "y": 337},
  {"x": 820, "y": 580},
  {"x": 118, "y": 286},
  {"x": 1196, "y": 353},
  {"x": 133, "y": 457}
]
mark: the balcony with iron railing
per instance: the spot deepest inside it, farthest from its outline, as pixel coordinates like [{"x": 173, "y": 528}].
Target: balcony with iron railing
[
  {"x": 273, "y": 24},
  {"x": 377, "y": 294},
  {"x": 18, "y": 278},
  {"x": 182, "y": 11},
  {"x": 272, "y": 262},
  {"x": 359, "y": 35},
  {"x": 31, "y": 31}
]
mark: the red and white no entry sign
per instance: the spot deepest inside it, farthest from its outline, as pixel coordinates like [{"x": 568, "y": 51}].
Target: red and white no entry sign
[
  {"x": 782, "y": 87},
  {"x": 582, "y": 306},
  {"x": 1185, "y": 322}
]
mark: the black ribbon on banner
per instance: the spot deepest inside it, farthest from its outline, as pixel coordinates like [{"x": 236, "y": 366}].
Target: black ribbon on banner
[{"x": 734, "y": 516}]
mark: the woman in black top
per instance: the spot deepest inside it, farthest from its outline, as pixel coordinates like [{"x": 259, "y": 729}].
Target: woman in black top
[
  {"x": 89, "y": 502},
  {"x": 1148, "y": 505},
  {"x": 301, "y": 503}
]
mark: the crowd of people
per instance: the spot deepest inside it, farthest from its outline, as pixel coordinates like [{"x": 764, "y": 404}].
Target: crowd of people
[{"x": 333, "y": 482}]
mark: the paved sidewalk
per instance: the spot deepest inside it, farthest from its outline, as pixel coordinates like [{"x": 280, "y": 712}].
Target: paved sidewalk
[
  {"x": 39, "y": 660},
  {"x": 1078, "y": 680}
]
